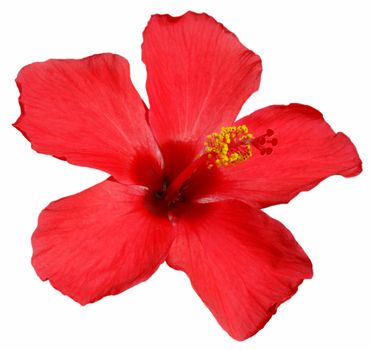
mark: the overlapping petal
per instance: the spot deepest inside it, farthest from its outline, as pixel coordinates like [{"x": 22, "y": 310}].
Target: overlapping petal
[
  {"x": 199, "y": 76},
  {"x": 308, "y": 151},
  {"x": 87, "y": 112},
  {"x": 99, "y": 242},
  {"x": 242, "y": 263}
]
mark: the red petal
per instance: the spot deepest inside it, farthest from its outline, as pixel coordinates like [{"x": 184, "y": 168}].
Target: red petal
[
  {"x": 199, "y": 76},
  {"x": 242, "y": 263},
  {"x": 99, "y": 242},
  {"x": 87, "y": 112},
  {"x": 308, "y": 151}
]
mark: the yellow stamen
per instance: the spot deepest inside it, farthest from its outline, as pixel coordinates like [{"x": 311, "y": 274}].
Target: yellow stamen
[{"x": 229, "y": 146}]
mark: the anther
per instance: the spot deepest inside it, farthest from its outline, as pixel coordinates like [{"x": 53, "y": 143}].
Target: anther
[{"x": 229, "y": 146}]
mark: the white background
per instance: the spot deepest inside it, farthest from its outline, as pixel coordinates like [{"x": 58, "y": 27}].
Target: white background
[{"x": 313, "y": 52}]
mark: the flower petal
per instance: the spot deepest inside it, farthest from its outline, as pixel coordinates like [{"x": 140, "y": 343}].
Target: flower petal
[
  {"x": 87, "y": 112},
  {"x": 308, "y": 151},
  {"x": 199, "y": 76},
  {"x": 242, "y": 263},
  {"x": 99, "y": 242}
]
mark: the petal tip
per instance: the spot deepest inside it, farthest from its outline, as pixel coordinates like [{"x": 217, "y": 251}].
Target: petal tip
[{"x": 272, "y": 310}]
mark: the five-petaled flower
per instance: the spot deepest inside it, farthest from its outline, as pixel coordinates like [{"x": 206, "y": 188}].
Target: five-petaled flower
[{"x": 187, "y": 182}]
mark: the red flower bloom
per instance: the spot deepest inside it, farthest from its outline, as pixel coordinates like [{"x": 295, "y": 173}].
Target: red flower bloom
[{"x": 187, "y": 182}]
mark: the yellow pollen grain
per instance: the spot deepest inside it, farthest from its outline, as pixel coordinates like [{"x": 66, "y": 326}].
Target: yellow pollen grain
[{"x": 229, "y": 146}]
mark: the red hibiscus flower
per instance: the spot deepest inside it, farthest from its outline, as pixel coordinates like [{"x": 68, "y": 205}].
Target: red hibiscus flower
[{"x": 187, "y": 183}]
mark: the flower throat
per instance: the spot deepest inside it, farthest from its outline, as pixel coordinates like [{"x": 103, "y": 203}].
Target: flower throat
[{"x": 232, "y": 145}]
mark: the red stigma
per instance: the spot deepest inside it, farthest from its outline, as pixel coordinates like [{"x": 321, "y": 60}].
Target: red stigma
[{"x": 265, "y": 142}]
